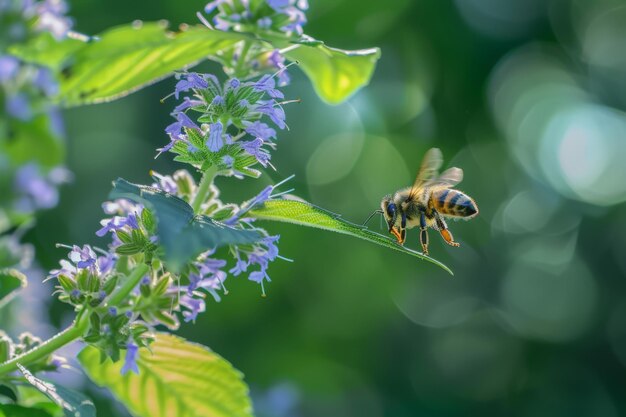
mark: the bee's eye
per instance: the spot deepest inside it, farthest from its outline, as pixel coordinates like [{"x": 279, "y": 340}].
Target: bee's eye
[{"x": 391, "y": 209}]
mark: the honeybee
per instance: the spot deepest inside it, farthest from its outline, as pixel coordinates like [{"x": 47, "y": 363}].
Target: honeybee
[{"x": 427, "y": 202}]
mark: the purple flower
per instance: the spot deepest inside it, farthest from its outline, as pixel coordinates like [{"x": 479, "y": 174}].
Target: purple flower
[
  {"x": 260, "y": 130},
  {"x": 190, "y": 81},
  {"x": 66, "y": 269},
  {"x": 8, "y": 67},
  {"x": 278, "y": 5},
  {"x": 111, "y": 225},
  {"x": 83, "y": 258},
  {"x": 278, "y": 61},
  {"x": 212, "y": 6},
  {"x": 187, "y": 103},
  {"x": 264, "y": 22},
  {"x": 52, "y": 17},
  {"x": 268, "y": 84},
  {"x": 217, "y": 101},
  {"x": 275, "y": 113},
  {"x": 194, "y": 306},
  {"x": 166, "y": 183},
  {"x": 228, "y": 161},
  {"x": 215, "y": 141},
  {"x": 18, "y": 106},
  {"x": 130, "y": 361},
  {"x": 240, "y": 267},
  {"x": 37, "y": 191},
  {"x": 234, "y": 83},
  {"x": 254, "y": 148},
  {"x": 182, "y": 120}
]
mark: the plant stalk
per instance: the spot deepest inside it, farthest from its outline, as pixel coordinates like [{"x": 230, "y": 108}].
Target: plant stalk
[
  {"x": 131, "y": 282},
  {"x": 73, "y": 332},
  {"x": 203, "y": 188}
]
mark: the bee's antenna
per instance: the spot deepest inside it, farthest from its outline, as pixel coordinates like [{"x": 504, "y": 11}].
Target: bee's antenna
[{"x": 379, "y": 211}]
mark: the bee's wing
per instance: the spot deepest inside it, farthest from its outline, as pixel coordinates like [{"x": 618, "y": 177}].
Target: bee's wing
[
  {"x": 449, "y": 178},
  {"x": 428, "y": 170}
]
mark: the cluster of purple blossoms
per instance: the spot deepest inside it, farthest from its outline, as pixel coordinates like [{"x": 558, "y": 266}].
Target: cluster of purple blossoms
[
  {"x": 36, "y": 190},
  {"x": 285, "y": 16},
  {"x": 26, "y": 91},
  {"x": 221, "y": 123}
]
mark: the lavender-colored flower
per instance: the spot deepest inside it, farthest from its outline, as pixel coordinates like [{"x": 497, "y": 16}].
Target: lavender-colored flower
[
  {"x": 18, "y": 106},
  {"x": 212, "y": 6},
  {"x": 264, "y": 22},
  {"x": 278, "y": 5},
  {"x": 111, "y": 225},
  {"x": 254, "y": 148},
  {"x": 130, "y": 361},
  {"x": 275, "y": 112},
  {"x": 217, "y": 101},
  {"x": 166, "y": 183},
  {"x": 66, "y": 269},
  {"x": 190, "y": 81},
  {"x": 194, "y": 307},
  {"x": 228, "y": 161},
  {"x": 260, "y": 130},
  {"x": 187, "y": 103},
  {"x": 83, "y": 257},
  {"x": 8, "y": 67},
  {"x": 36, "y": 190},
  {"x": 268, "y": 84},
  {"x": 175, "y": 130},
  {"x": 52, "y": 17},
  {"x": 215, "y": 141},
  {"x": 278, "y": 61},
  {"x": 234, "y": 83}
]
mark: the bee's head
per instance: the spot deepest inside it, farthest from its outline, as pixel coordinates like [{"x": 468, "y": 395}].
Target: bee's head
[{"x": 390, "y": 211}]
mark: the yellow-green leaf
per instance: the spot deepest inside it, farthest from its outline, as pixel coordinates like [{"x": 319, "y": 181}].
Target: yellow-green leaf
[
  {"x": 178, "y": 378},
  {"x": 306, "y": 214},
  {"x": 336, "y": 74}
]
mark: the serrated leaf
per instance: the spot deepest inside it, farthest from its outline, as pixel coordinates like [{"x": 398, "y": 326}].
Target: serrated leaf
[
  {"x": 74, "y": 403},
  {"x": 126, "y": 58},
  {"x": 182, "y": 234},
  {"x": 306, "y": 214},
  {"x": 11, "y": 281},
  {"x": 178, "y": 378},
  {"x": 336, "y": 74}
]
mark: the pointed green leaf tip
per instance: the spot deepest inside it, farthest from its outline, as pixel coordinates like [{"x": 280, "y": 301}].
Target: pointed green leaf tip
[
  {"x": 11, "y": 281},
  {"x": 177, "y": 378},
  {"x": 336, "y": 74},
  {"x": 182, "y": 235},
  {"x": 73, "y": 403},
  {"x": 306, "y": 214}
]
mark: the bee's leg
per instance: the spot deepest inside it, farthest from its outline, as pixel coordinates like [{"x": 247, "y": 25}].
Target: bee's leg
[
  {"x": 423, "y": 234},
  {"x": 403, "y": 229},
  {"x": 396, "y": 233},
  {"x": 443, "y": 230}
]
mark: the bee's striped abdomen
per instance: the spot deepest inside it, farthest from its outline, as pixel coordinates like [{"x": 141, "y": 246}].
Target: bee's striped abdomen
[{"x": 454, "y": 203}]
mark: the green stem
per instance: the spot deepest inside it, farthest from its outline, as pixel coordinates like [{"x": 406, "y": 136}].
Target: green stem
[
  {"x": 203, "y": 188},
  {"x": 131, "y": 282},
  {"x": 241, "y": 62},
  {"x": 76, "y": 330}
]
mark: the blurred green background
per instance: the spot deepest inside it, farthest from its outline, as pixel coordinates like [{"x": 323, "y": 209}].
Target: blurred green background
[{"x": 527, "y": 96}]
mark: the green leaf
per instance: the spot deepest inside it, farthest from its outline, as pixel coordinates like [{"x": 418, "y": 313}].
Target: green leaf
[
  {"x": 336, "y": 74},
  {"x": 11, "y": 280},
  {"x": 182, "y": 234},
  {"x": 178, "y": 378},
  {"x": 127, "y": 58},
  {"x": 306, "y": 214},
  {"x": 12, "y": 410},
  {"x": 46, "y": 50},
  {"x": 74, "y": 403}
]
